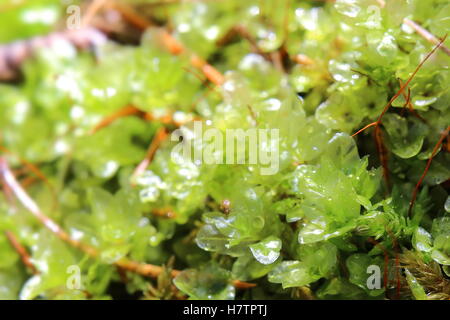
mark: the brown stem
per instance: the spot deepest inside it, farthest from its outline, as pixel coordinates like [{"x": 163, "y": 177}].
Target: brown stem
[
  {"x": 411, "y": 77},
  {"x": 143, "y": 269},
  {"x": 205, "y": 82},
  {"x": 131, "y": 110},
  {"x": 37, "y": 172},
  {"x": 382, "y": 152},
  {"x": 379, "y": 142},
  {"x": 94, "y": 7},
  {"x": 427, "y": 167},
  {"x": 129, "y": 14},
  {"x": 169, "y": 42},
  {"x": 409, "y": 104},
  {"x": 366, "y": 127},
  {"x": 253, "y": 114},
  {"x": 397, "y": 282},
  {"x": 302, "y": 59},
  {"x": 123, "y": 112},
  {"x": 159, "y": 137},
  {"x": 424, "y": 33},
  {"x": 24, "y": 256},
  {"x": 167, "y": 213},
  {"x": 404, "y": 86}
]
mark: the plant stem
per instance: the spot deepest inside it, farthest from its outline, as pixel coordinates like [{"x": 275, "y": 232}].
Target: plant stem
[
  {"x": 24, "y": 256},
  {"x": 427, "y": 167},
  {"x": 143, "y": 269},
  {"x": 426, "y": 34}
]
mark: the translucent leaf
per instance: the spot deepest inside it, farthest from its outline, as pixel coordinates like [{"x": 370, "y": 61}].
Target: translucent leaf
[
  {"x": 320, "y": 257},
  {"x": 422, "y": 240},
  {"x": 340, "y": 112},
  {"x": 114, "y": 253},
  {"x": 313, "y": 232},
  {"x": 350, "y": 8},
  {"x": 290, "y": 208},
  {"x": 358, "y": 265},
  {"x": 267, "y": 251},
  {"x": 207, "y": 283},
  {"x": 340, "y": 288},
  {"x": 442, "y": 242},
  {"x": 246, "y": 268},
  {"x": 440, "y": 257},
  {"x": 406, "y": 141},
  {"x": 447, "y": 204},
  {"x": 209, "y": 238},
  {"x": 414, "y": 285},
  {"x": 315, "y": 261},
  {"x": 440, "y": 226},
  {"x": 292, "y": 274},
  {"x": 11, "y": 280}
]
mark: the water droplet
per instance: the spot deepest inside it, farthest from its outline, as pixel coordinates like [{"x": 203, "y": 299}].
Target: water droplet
[{"x": 149, "y": 194}]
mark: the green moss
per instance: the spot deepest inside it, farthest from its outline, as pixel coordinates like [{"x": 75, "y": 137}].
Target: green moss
[{"x": 313, "y": 223}]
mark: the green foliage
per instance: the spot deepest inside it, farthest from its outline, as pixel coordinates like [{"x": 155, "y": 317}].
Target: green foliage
[
  {"x": 357, "y": 265},
  {"x": 27, "y": 20},
  {"x": 313, "y": 224},
  {"x": 207, "y": 283}
]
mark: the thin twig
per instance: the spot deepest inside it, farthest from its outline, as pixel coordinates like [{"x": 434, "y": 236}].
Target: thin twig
[
  {"x": 143, "y": 269},
  {"x": 166, "y": 213},
  {"x": 302, "y": 59},
  {"x": 427, "y": 167},
  {"x": 130, "y": 110},
  {"x": 169, "y": 42},
  {"x": 378, "y": 139},
  {"x": 366, "y": 127},
  {"x": 252, "y": 114},
  {"x": 36, "y": 171},
  {"x": 92, "y": 10},
  {"x": 9, "y": 179},
  {"x": 397, "y": 282},
  {"x": 427, "y": 35},
  {"x": 123, "y": 112},
  {"x": 406, "y": 84},
  {"x": 131, "y": 15},
  {"x": 24, "y": 256},
  {"x": 403, "y": 87},
  {"x": 382, "y": 152},
  {"x": 159, "y": 137},
  {"x": 204, "y": 82},
  {"x": 410, "y": 105}
]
